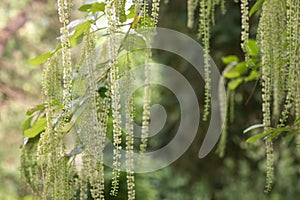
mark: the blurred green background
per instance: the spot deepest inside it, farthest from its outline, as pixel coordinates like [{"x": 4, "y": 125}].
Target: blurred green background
[{"x": 30, "y": 27}]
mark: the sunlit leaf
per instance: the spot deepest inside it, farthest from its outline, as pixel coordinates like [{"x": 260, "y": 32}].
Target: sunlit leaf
[
  {"x": 85, "y": 8},
  {"x": 230, "y": 59},
  {"x": 95, "y": 7},
  {"x": 77, "y": 37},
  {"x": 232, "y": 74},
  {"x": 98, "y": 7},
  {"x": 131, "y": 13},
  {"x": 38, "y": 127},
  {"x": 40, "y": 59}
]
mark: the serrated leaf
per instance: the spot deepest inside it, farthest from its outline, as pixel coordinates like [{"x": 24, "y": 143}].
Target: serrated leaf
[
  {"x": 233, "y": 84},
  {"x": 38, "y": 127},
  {"x": 40, "y": 59},
  {"x": 255, "y": 126},
  {"x": 255, "y": 7},
  {"x": 258, "y": 136},
  {"x": 230, "y": 59}
]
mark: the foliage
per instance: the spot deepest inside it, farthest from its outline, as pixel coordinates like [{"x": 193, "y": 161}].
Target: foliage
[{"x": 270, "y": 58}]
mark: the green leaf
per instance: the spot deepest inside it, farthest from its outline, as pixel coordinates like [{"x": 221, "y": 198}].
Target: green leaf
[
  {"x": 255, "y": 126},
  {"x": 252, "y": 76},
  {"x": 102, "y": 92},
  {"x": 297, "y": 121},
  {"x": 278, "y": 131},
  {"x": 252, "y": 48},
  {"x": 85, "y": 8},
  {"x": 258, "y": 136},
  {"x": 255, "y": 7},
  {"x": 233, "y": 84},
  {"x": 288, "y": 138},
  {"x": 131, "y": 13},
  {"x": 95, "y": 7},
  {"x": 241, "y": 68},
  {"x": 38, "y": 127},
  {"x": 98, "y": 7},
  {"x": 81, "y": 28},
  {"x": 230, "y": 59},
  {"x": 39, "y": 107},
  {"x": 27, "y": 123},
  {"x": 77, "y": 37},
  {"x": 40, "y": 59},
  {"x": 232, "y": 74}
]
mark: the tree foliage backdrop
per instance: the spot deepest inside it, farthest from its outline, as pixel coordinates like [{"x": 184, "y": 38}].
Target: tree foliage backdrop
[{"x": 254, "y": 43}]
